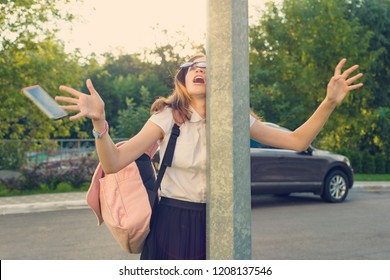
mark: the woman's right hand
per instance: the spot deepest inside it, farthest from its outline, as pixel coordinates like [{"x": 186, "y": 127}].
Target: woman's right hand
[{"x": 87, "y": 105}]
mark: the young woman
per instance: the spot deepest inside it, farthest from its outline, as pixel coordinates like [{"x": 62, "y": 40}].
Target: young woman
[{"x": 178, "y": 229}]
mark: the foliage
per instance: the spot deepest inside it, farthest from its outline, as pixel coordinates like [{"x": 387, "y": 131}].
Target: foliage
[
  {"x": 127, "y": 77},
  {"x": 294, "y": 49},
  {"x": 380, "y": 164},
  {"x": 64, "y": 187},
  {"x": 372, "y": 177},
  {"x": 30, "y": 21},
  {"x": 49, "y": 176},
  {"x": 374, "y": 14},
  {"x": 132, "y": 119},
  {"x": 130, "y": 83},
  {"x": 30, "y": 54},
  {"x": 129, "y": 86},
  {"x": 11, "y": 155}
]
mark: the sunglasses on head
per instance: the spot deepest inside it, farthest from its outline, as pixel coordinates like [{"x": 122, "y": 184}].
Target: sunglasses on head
[{"x": 199, "y": 64}]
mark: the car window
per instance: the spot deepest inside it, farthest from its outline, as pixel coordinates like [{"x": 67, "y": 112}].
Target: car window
[{"x": 255, "y": 144}]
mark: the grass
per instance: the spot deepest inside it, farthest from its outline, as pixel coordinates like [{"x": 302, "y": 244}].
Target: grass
[
  {"x": 5, "y": 192},
  {"x": 372, "y": 177}
]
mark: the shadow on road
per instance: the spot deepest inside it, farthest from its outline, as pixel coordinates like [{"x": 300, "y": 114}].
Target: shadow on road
[{"x": 267, "y": 201}]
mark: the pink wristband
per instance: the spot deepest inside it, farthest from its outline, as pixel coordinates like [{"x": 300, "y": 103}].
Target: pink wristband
[{"x": 100, "y": 134}]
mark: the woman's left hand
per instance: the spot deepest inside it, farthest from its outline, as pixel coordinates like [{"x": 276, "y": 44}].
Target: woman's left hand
[{"x": 340, "y": 84}]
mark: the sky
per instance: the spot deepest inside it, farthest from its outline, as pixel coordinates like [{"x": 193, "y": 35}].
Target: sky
[{"x": 130, "y": 25}]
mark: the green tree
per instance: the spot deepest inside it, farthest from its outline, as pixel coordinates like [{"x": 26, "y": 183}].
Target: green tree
[
  {"x": 30, "y": 54},
  {"x": 374, "y": 14},
  {"x": 127, "y": 77},
  {"x": 294, "y": 49},
  {"x": 133, "y": 118},
  {"x": 130, "y": 84}
]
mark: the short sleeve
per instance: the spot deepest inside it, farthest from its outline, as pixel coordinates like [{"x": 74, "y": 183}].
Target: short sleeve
[
  {"x": 163, "y": 119},
  {"x": 251, "y": 120}
]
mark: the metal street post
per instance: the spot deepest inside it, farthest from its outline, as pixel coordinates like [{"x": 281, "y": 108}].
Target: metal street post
[{"x": 229, "y": 202}]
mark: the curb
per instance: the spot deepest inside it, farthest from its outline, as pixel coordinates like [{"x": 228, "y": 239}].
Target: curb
[
  {"x": 23, "y": 208},
  {"x": 71, "y": 201},
  {"x": 377, "y": 184}
]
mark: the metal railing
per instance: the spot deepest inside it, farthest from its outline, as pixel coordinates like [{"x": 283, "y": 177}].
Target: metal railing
[{"x": 39, "y": 151}]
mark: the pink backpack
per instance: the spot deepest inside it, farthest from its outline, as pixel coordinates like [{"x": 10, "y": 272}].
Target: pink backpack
[{"x": 125, "y": 200}]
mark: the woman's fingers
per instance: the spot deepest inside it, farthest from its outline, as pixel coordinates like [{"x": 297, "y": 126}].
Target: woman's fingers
[
  {"x": 70, "y": 107},
  {"x": 66, "y": 99},
  {"x": 71, "y": 91},
  {"x": 349, "y": 71},
  {"x": 337, "y": 70},
  {"x": 91, "y": 88},
  {"x": 77, "y": 116},
  {"x": 344, "y": 76},
  {"x": 354, "y": 78},
  {"x": 346, "y": 73},
  {"x": 355, "y": 86}
]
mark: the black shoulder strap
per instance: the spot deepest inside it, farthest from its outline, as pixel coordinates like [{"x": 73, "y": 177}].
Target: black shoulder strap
[
  {"x": 168, "y": 156},
  {"x": 167, "y": 161}
]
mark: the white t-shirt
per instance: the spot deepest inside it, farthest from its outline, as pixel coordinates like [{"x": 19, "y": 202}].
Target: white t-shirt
[{"x": 186, "y": 178}]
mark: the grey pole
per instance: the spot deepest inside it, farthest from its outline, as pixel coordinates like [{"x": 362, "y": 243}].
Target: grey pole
[{"x": 228, "y": 167}]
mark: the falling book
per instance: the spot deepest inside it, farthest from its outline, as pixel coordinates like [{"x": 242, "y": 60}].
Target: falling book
[{"x": 44, "y": 102}]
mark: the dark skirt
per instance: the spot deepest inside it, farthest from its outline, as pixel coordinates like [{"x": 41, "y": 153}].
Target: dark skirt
[{"x": 177, "y": 232}]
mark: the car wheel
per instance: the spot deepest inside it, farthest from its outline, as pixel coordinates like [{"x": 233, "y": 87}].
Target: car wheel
[{"x": 335, "y": 187}]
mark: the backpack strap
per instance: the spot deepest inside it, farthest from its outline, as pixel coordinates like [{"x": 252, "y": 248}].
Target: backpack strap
[
  {"x": 167, "y": 161},
  {"x": 168, "y": 156}
]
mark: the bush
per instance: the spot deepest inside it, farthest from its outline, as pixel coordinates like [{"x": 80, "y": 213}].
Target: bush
[
  {"x": 12, "y": 156},
  {"x": 64, "y": 187},
  {"x": 380, "y": 164},
  {"x": 368, "y": 163},
  {"x": 388, "y": 166},
  {"x": 85, "y": 186},
  {"x": 50, "y": 176},
  {"x": 13, "y": 184},
  {"x": 81, "y": 171},
  {"x": 3, "y": 190},
  {"x": 356, "y": 162},
  {"x": 44, "y": 187}
]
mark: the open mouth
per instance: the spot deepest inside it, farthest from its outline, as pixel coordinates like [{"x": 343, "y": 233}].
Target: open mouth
[{"x": 199, "y": 80}]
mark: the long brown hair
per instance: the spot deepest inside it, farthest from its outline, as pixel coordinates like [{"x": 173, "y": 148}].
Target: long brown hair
[{"x": 180, "y": 99}]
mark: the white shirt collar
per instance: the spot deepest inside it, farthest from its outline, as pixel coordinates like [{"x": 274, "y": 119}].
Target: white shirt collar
[{"x": 195, "y": 117}]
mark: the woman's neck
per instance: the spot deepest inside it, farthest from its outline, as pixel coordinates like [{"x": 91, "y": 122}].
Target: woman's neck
[{"x": 199, "y": 105}]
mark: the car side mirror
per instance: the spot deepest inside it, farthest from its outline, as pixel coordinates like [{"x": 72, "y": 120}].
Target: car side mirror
[{"x": 308, "y": 151}]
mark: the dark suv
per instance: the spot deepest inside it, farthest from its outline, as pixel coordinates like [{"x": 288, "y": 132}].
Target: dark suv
[{"x": 281, "y": 172}]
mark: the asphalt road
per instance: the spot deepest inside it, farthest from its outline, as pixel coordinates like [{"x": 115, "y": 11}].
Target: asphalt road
[
  {"x": 304, "y": 228},
  {"x": 299, "y": 227}
]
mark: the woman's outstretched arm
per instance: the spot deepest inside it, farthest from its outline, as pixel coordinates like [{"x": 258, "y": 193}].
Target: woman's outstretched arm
[{"x": 338, "y": 87}]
